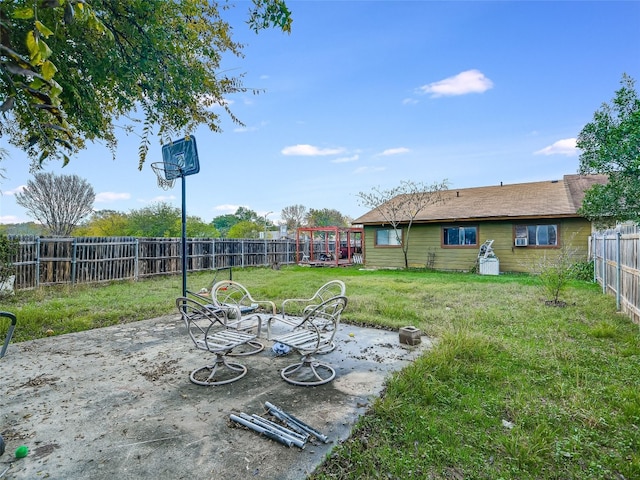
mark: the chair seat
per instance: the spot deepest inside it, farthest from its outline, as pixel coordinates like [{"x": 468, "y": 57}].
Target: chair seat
[
  {"x": 314, "y": 334},
  {"x": 224, "y": 340},
  {"x": 303, "y": 340},
  {"x": 210, "y": 330}
]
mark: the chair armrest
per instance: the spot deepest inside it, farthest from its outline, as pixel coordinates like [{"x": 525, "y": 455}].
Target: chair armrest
[{"x": 294, "y": 301}]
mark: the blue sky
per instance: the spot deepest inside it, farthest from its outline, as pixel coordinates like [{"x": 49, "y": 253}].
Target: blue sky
[{"x": 367, "y": 94}]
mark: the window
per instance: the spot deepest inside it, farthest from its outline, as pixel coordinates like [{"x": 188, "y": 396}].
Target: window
[
  {"x": 388, "y": 237},
  {"x": 459, "y": 236},
  {"x": 538, "y": 235}
]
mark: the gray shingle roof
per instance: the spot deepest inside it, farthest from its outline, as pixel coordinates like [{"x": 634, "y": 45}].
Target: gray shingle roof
[{"x": 550, "y": 199}]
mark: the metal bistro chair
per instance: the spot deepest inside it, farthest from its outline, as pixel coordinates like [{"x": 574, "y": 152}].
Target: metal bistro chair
[
  {"x": 292, "y": 307},
  {"x": 314, "y": 334},
  {"x": 10, "y": 330},
  {"x": 211, "y": 331},
  {"x": 240, "y": 306}
]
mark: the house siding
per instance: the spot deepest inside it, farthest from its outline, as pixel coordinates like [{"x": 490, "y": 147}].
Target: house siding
[{"x": 425, "y": 241}]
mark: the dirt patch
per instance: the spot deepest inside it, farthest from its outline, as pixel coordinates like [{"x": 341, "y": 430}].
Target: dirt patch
[{"x": 156, "y": 372}]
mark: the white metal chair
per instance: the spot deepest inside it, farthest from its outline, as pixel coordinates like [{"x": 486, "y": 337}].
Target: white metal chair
[
  {"x": 314, "y": 334},
  {"x": 210, "y": 330},
  {"x": 240, "y": 306},
  {"x": 10, "y": 330},
  {"x": 297, "y": 307}
]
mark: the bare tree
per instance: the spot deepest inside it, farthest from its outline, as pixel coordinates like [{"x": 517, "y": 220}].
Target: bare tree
[
  {"x": 57, "y": 201},
  {"x": 294, "y": 216},
  {"x": 399, "y": 206}
]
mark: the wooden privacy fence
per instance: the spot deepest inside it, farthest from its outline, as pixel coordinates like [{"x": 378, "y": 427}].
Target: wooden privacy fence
[
  {"x": 617, "y": 266},
  {"x": 56, "y": 260}
]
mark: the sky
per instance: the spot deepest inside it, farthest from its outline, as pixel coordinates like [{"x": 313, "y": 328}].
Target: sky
[{"x": 367, "y": 94}]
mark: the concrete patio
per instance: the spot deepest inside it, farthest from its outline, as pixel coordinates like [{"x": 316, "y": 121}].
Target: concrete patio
[{"x": 117, "y": 402}]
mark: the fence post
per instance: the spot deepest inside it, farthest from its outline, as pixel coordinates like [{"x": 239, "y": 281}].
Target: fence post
[
  {"x": 618, "y": 271},
  {"x": 38, "y": 262},
  {"x": 604, "y": 263},
  {"x": 136, "y": 261},
  {"x": 213, "y": 253},
  {"x": 74, "y": 264},
  {"x": 594, "y": 244}
]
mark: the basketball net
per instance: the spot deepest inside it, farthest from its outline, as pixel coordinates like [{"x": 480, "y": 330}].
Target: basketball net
[{"x": 160, "y": 171}]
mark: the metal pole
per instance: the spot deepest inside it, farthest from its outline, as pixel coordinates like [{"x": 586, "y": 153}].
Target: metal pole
[
  {"x": 184, "y": 236},
  {"x": 604, "y": 263},
  {"x": 618, "y": 270}
]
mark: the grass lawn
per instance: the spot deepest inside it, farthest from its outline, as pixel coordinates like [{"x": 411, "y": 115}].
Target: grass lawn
[{"x": 512, "y": 389}]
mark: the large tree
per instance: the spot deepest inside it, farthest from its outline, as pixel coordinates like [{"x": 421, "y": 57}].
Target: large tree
[
  {"x": 325, "y": 217},
  {"x": 294, "y": 216},
  {"x": 610, "y": 145},
  {"x": 245, "y": 229},
  {"x": 72, "y": 71},
  {"x": 57, "y": 201},
  {"x": 103, "y": 223},
  {"x": 399, "y": 206},
  {"x": 224, "y": 223}
]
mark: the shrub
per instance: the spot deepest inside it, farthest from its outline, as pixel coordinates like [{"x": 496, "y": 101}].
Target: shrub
[
  {"x": 8, "y": 251},
  {"x": 582, "y": 271}
]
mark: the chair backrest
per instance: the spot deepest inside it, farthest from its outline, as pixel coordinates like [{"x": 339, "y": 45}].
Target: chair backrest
[
  {"x": 232, "y": 295},
  {"x": 300, "y": 306},
  {"x": 334, "y": 288},
  {"x": 325, "y": 319},
  {"x": 201, "y": 321}
]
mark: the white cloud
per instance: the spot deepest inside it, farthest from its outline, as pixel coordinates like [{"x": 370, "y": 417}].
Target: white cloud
[
  {"x": 10, "y": 219},
  {"x": 361, "y": 170},
  {"x": 394, "y": 151},
  {"x": 353, "y": 158},
  {"x": 18, "y": 189},
  {"x": 227, "y": 208},
  {"x": 210, "y": 102},
  {"x": 566, "y": 147},
  {"x": 409, "y": 101},
  {"x": 470, "y": 81},
  {"x": 106, "y": 197},
  {"x": 163, "y": 198},
  {"x": 310, "y": 151},
  {"x": 254, "y": 128}
]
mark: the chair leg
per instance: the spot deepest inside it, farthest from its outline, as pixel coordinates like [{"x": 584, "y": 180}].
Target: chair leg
[
  {"x": 229, "y": 371},
  {"x": 308, "y": 372}
]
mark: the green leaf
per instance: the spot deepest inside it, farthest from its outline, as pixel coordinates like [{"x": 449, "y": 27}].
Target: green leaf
[
  {"x": 43, "y": 29},
  {"x": 32, "y": 46},
  {"x": 23, "y": 13},
  {"x": 45, "y": 51},
  {"x": 48, "y": 70}
]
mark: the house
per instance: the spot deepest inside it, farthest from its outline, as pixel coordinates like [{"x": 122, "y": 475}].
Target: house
[{"x": 526, "y": 221}]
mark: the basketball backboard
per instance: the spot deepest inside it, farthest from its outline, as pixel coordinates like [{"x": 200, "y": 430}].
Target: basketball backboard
[{"x": 180, "y": 158}]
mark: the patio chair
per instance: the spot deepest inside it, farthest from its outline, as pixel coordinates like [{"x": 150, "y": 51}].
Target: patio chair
[
  {"x": 210, "y": 330},
  {"x": 12, "y": 318},
  {"x": 314, "y": 334},
  {"x": 240, "y": 306},
  {"x": 297, "y": 307}
]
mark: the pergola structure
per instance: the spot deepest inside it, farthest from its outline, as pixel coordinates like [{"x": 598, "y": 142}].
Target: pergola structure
[{"x": 337, "y": 246}]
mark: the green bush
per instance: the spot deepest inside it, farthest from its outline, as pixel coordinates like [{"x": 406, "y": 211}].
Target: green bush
[
  {"x": 583, "y": 271},
  {"x": 8, "y": 251}
]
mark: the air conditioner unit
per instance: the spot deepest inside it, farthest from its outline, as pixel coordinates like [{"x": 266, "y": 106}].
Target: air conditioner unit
[{"x": 522, "y": 241}]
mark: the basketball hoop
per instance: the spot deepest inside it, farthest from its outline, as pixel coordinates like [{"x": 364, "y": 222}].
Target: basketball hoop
[{"x": 161, "y": 169}]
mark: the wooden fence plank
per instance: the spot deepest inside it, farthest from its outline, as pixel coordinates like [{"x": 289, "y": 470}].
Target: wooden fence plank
[
  {"x": 617, "y": 266},
  {"x": 57, "y": 260}
]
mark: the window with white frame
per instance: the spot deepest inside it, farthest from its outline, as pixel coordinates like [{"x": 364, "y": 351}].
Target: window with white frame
[
  {"x": 388, "y": 237},
  {"x": 460, "y": 236},
  {"x": 537, "y": 235}
]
